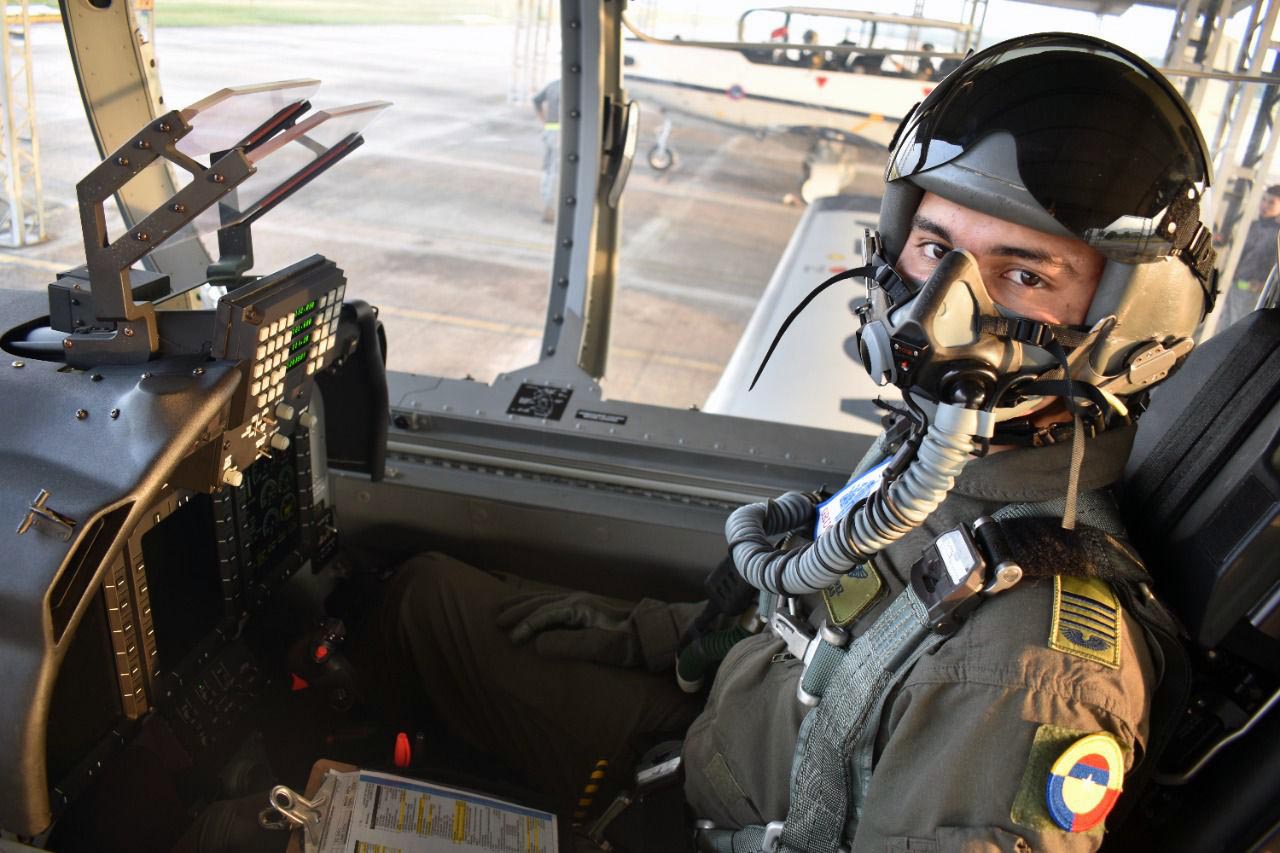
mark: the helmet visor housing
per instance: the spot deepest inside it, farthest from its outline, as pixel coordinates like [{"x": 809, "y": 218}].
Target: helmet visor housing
[{"x": 1104, "y": 143}]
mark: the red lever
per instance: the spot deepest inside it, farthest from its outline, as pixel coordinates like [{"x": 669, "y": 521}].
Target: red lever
[{"x": 403, "y": 755}]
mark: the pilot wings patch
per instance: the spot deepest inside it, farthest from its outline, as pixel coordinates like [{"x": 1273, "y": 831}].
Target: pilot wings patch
[{"x": 1086, "y": 620}]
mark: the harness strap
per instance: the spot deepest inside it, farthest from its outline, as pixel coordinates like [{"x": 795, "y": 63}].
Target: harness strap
[
  {"x": 832, "y": 769},
  {"x": 821, "y": 783}
]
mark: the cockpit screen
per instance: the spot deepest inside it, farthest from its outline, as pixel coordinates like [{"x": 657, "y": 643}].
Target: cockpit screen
[{"x": 185, "y": 584}]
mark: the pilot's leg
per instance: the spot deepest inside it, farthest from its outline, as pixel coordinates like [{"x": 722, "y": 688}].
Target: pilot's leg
[{"x": 551, "y": 718}]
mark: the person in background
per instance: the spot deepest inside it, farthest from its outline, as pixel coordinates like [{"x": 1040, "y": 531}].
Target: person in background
[
  {"x": 1256, "y": 259},
  {"x": 547, "y": 105}
]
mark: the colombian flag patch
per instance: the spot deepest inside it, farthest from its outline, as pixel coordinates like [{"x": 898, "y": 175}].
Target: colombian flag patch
[
  {"x": 1071, "y": 781},
  {"x": 1084, "y": 782}
]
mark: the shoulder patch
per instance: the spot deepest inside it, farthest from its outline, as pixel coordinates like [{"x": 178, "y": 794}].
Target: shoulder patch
[
  {"x": 852, "y": 594},
  {"x": 1071, "y": 782},
  {"x": 1085, "y": 782},
  {"x": 1086, "y": 620}
]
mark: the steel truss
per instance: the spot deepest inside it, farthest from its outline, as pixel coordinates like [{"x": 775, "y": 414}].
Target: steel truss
[
  {"x": 22, "y": 220},
  {"x": 1242, "y": 141}
]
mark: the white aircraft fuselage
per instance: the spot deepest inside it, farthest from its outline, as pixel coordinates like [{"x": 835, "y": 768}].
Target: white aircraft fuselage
[{"x": 726, "y": 87}]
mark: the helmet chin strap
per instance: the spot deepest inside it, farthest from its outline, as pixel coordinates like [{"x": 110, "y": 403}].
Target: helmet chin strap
[{"x": 1045, "y": 336}]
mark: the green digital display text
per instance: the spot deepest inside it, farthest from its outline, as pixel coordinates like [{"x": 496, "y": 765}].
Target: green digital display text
[{"x": 299, "y": 328}]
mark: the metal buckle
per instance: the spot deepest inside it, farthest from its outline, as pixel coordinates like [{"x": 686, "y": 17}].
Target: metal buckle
[
  {"x": 991, "y": 541},
  {"x": 772, "y": 837},
  {"x": 792, "y": 630}
]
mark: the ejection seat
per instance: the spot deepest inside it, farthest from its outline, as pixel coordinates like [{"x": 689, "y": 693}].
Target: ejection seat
[{"x": 1202, "y": 503}]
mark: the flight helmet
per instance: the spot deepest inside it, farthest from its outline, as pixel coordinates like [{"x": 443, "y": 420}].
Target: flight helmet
[{"x": 1069, "y": 135}]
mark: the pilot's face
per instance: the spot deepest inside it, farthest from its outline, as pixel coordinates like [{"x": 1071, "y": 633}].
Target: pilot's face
[{"x": 1037, "y": 275}]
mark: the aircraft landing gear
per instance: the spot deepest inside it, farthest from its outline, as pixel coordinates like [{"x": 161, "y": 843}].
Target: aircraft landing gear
[{"x": 662, "y": 156}]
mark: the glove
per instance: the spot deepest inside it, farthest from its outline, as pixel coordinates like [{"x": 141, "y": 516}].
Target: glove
[{"x": 583, "y": 626}]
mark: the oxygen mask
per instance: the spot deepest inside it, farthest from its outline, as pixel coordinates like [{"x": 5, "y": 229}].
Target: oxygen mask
[
  {"x": 933, "y": 341},
  {"x": 948, "y": 341}
]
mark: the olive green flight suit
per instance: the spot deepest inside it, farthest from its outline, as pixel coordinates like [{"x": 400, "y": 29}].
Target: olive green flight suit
[{"x": 956, "y": 735}]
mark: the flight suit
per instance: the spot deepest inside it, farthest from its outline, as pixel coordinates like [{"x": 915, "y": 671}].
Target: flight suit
[
  {"x": 551, "y": 718},
  {"x": 966, "y": 740}
]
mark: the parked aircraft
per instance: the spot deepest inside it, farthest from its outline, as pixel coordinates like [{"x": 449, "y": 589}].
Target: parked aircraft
[{"x": 846, "y": 94}]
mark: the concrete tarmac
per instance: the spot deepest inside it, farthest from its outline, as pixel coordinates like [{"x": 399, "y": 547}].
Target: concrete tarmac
[{"x": 436, "y": 219}]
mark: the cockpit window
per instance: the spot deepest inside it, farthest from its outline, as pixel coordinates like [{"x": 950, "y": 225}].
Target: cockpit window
[
  {"x": 439, "y": 218},
  {"x": 757, "y": 171}
]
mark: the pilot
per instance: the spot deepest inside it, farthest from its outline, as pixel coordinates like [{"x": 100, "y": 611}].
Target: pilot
[
  {"x": 1070, "y": 172},
  {"x": 811, "y": 57}
]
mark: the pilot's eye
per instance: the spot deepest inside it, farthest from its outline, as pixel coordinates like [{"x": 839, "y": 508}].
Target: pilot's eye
[
  {"x": 1026, "y": 278},
  {"x": 935, "y": 250}
]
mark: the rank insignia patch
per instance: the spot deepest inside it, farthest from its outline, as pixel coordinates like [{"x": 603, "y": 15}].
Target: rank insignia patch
[
  {"x": 1086, "y": 620},
  {"x": 1084, "y": 782},
  {"x": 848, "y": 597},
  {"x": 1071, "y": 781}
]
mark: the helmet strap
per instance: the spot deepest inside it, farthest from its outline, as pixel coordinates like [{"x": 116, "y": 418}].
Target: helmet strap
[
  {"x": 1045, "y": 336},
  {"x": 1192, "y": 242}
]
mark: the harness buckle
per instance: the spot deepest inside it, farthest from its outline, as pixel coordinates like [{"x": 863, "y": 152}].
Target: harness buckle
[
  {"x": 772, "y": 837},
  {"x": 959, "y": 569},
  {"x": 793, "y": 631},
  {"x": 991, "y": 540}
]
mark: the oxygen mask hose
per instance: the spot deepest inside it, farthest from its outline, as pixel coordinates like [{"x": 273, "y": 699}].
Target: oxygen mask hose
[{"x": 891, "y": 512}]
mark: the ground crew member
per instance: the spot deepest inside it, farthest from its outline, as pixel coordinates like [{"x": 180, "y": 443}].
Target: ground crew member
[
  {"x": 547, "y": 105},
  {"x": 1256, "y": 258}
]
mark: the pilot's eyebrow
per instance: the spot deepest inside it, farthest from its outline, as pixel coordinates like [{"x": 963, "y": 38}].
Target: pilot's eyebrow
[
  {"x": 1038, "y": 255},
  {"x": 924, "y": 223}
]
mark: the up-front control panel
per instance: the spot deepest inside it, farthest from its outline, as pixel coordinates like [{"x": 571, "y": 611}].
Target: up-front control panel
[
  {"x": 129, "y": 434},
  {"x": 281, "y": 329}
]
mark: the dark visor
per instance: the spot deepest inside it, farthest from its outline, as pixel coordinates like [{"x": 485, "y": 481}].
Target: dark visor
[{"x": 1105, "y": 144}]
